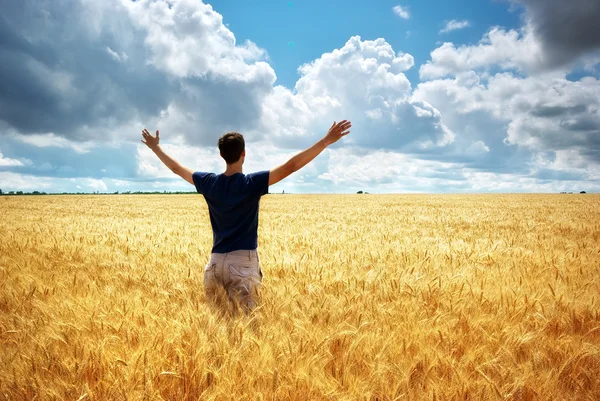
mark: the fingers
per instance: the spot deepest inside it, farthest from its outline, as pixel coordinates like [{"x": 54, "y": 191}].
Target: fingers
[
  {"x": 146, "y": 134},
  {"x": 344, "y": 126},
  {"x": 340, "y": 129}
]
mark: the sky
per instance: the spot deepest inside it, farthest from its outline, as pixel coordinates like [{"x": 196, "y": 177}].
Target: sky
[{"x": 468, "y": 96}]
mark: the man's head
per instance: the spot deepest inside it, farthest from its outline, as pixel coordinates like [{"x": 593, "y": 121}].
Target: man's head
[{"x": 232, "y": 147}]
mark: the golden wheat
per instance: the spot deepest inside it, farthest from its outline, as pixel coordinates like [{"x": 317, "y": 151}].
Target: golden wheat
[{"x": 373, "y": 297}]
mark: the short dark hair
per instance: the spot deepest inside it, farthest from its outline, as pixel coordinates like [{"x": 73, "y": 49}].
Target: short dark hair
[{"x": 231, "y": 146}]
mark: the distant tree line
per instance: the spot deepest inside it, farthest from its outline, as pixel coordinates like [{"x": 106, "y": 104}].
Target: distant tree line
[
  {"x": 22, "y": 193},
  {"x": 138, "y": 193},
  {"x": 99, "y": 193}
]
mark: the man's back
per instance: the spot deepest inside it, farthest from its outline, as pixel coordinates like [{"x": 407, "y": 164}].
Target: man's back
[{"x": 233, "y": 204}]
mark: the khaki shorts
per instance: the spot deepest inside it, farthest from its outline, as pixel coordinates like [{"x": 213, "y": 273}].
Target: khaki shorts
[{"x": 238, "y": 273}]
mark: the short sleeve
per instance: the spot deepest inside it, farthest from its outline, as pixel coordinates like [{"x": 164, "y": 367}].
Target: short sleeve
[
  {"x": 199, "y": 179},
  {"x": 260, "y": 182}
]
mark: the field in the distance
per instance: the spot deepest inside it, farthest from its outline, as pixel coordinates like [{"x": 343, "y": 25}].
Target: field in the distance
[{"x": 365, "y": 297}]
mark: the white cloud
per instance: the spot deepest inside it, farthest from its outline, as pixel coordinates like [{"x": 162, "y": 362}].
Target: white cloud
[
  {"x": 91, "y": 183},
  {"x": 6, "y": 162},
  {"x": 187, "y": 38},
  {"x": 542, "y": 113},
  {"x": 52, "y": 140},
  {"x": 557, "y": 115},
  {"x": 454, "y": 25},
  {"x": 545, "y": 126},
  {"x": 478, "y": 147},
  {"x": 480, "y": 181},
  {"x": 356, "y": 168},
  {"x": 221, "y": 84},
  {"x": 363, "y": 81},
  {"x": 165, "y": 56},
  {"x": 496, "y": 108},
  {"x": 121, "y": 57},
  {"x": 10, "y": 181},
  {"x": 567, "y": 161},
  {"x": 386, "y": 172},
  {"x": 401, "y": 11},
  {"x": 499, "y": 48}
]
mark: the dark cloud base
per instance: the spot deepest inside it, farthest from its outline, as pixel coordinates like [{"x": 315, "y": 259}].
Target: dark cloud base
[
  {"x": 58, "y": 78},
  {"x": 567, "y": 29}
]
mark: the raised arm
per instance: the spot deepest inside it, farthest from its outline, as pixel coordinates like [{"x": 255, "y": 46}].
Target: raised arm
[
  {"x": 300, "y": 160},
  {"x": 172, "y": 164}
]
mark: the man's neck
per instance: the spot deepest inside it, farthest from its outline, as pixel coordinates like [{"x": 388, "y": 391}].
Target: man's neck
[{"x": 233, "y": 168}]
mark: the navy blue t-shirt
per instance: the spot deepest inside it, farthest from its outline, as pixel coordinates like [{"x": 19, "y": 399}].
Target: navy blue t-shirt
[{"x": 233, "y": 207}]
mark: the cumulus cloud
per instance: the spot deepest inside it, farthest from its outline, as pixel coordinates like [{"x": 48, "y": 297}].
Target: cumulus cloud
[
  {"x": 97, "y": 66},
  {"x": 401, "y": 11},
  {"x": 555, "y": 35},
  {"x": 221, "y": 84},
  {"x": 7, "y": 162},
  {"x": 188, "y": 38},
  {"x": 363, "y": 81},
  {"x": 478, "y": 147},
  {"x": 544, "y": 128},
  {"x": 455, "y": 25},
  {"x": 393, "y": 172},
  {"x": 56, "y": 63},
  {"x": 499, "y": 48},
  {"x": 527, "y": 106},
  {"x": 79, "y": 87},
  {"x": 565, "y": 116},
  {"x": 206, "y": 84},
  {"x": 91, "y": 183}
]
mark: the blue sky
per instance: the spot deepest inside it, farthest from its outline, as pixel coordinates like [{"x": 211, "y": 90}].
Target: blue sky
[
  {"x": 464, "y": 96},
  {"x": 316, "y": 27}
]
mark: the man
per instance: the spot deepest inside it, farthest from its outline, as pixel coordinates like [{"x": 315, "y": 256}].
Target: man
[{"x": 233, "y": 204}]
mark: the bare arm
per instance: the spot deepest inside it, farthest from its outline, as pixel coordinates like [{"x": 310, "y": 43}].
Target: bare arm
[
  {"x": 300, "y": 160},
  {"x": 172, "y": 164}
]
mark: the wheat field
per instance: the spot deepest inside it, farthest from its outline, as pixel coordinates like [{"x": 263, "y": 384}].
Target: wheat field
[{"x": 365, "y": 297}]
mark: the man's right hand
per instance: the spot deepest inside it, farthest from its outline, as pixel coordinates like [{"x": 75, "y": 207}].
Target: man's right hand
[
  {"x": 337, "y": 131},
  {"x": 300, "y": 160}
]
